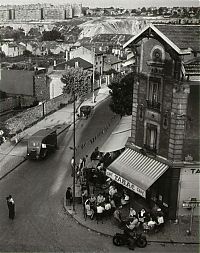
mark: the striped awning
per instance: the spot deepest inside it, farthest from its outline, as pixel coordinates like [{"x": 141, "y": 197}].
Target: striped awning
[
  {"x": 135, "y": 171},
  {"x": 119, "y": 136}
]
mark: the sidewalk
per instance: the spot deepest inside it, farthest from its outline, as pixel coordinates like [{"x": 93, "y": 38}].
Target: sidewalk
[
  {"x": 12, "y": 154},
  {"x": 172, "y": 233}
]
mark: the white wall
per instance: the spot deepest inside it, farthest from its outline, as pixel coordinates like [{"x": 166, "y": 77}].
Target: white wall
[
  {"x": 189, "y": 187},
  {"x": 55, "y": 86}
]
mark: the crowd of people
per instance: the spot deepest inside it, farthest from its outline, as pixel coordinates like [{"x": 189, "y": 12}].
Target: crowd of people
[
  {"x": 143, "y": 220},
  {"x": 110, "y": 198}
]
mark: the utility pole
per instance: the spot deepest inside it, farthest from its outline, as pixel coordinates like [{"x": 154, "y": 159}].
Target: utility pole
[
  {"x": 74, "y": 145},
  {"x": 93, "y": 79}
]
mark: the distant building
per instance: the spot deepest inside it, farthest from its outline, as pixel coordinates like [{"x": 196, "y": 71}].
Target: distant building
[
  {"x": 35, "y": 12},
  {"x": 12, "y": 49},
  {"x": 95, "y": 57}
]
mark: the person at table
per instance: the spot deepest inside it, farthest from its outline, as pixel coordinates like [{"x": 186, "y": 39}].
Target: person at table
[
  {"x": 142, "y": 215},
  {"x": 107, "y": 207},
  {"x": 132, "y": 212},
  {"x": 100, "y": 199},
  {"x": 124, "y": 199},
  {"x": 92, "y": 201},
  {"x": 133, "y": 223},
  {"x": 112, "y": 190},
  {"x": 99, "y": 214}
]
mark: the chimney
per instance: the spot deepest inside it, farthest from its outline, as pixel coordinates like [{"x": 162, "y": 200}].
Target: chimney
[
  {"x": 76, "y": 64},
  {"x": 54, "y": 63}
]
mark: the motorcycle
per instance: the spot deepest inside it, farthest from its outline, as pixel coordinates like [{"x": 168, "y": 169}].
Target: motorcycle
[{"x": 130, "y": 240}]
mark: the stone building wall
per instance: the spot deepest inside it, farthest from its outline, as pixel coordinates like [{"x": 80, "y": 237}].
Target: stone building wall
[
  {"x": 26, "y": 119},
  {"x": 41, "y": 87}
]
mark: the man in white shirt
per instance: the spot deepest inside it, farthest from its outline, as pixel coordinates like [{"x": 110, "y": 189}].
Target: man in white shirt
[{"x": 100, "y": 210}]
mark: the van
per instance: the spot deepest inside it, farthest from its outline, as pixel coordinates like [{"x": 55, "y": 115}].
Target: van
[{"x": 41, "y": 143}]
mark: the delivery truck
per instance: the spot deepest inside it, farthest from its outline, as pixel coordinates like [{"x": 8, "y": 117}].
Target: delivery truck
[{"x": 41, "y": 143}]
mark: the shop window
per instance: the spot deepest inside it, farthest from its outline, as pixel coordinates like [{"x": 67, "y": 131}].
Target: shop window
[{"x": 151, "y": 137}]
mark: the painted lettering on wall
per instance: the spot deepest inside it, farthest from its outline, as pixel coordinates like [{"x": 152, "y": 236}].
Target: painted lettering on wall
[
  {"x": 125, "y": 183},
  {"x": 195, "y": 171}
]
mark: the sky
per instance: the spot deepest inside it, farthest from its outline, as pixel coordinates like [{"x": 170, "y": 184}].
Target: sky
[{"x": 129, "y": 4}]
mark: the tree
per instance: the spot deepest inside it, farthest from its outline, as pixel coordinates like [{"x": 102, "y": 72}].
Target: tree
[
  {"x": 76, "y": 80},
  {"x": 122, "y": 94},
  {"x": 143, "y": 9},
  {"x": 52, "y": 35},
  {"x": 27, "y": 53}
]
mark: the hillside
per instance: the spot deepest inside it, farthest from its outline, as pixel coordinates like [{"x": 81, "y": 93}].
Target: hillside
[{"x": 111, "y": 26}]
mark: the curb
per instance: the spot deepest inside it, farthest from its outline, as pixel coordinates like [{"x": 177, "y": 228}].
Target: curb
[
  {"x": 7, "y": 173},
  {"x": 108, "y": 235}
]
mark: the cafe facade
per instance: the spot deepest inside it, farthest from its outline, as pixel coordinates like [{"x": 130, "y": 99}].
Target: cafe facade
[{"x": 160, "y": 162}]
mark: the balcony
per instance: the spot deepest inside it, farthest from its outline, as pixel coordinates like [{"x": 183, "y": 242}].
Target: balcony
[
  {"x": 153, "y": 105},
  {"x": 149, "y": 150}
]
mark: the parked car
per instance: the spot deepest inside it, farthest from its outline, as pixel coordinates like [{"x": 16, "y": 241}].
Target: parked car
[{"x": 85, "y": 110}]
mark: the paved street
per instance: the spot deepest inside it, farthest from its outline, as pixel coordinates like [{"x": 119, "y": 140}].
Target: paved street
[{"x": 38, "y": 188}]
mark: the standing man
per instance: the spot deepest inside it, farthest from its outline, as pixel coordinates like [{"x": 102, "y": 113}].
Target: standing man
[
  {"x": 11, "y": 207},
  {"x": 69, "y": 196}
]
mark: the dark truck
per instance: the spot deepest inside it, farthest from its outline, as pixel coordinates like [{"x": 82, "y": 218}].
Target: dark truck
[{"x": 41, "y": 143}]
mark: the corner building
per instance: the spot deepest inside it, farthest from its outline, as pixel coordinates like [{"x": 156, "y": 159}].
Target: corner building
[{"x": 161, "y": 159}]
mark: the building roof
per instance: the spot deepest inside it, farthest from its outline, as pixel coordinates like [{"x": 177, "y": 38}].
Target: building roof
[
  {"x": 182, "y": 38},
  {"x": 72, "y": 63},
  {"x": 81, "y": 63},
  {"x": 192, "y": 67}
]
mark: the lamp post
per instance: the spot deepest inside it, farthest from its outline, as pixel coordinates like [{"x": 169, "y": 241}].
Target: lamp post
[
  {"x": 93, "y": 79},
  {"x": 74, "y": 145}
]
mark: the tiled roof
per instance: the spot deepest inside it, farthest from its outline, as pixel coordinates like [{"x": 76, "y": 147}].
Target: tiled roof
[
  {"x": 81, "y": 63},
  {"x": 193, "y": 67},
  {"x": 183, "y": 36},
  {"x": 71, "y": 63}
]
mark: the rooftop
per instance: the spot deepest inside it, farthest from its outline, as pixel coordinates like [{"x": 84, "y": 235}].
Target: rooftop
[{"x": 184, "y": 36}]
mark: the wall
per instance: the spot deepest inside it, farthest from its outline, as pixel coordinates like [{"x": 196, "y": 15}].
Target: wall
[
  {"x": 13, "y": 102},
  {"x": 41, "y": 87},
  {"x": 8, "y": 104},
  {"x": 189, "y": 187},
  {"x": 55, "y": 86},
  {"x": 192, "y": 137},
  {"x": 26, "y": 119},
  {"x": 17, "y": 82}
]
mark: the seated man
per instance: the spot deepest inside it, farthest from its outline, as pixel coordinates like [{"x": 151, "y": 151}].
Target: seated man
[
  {"x": 92, "y": 201},
  {"x": 133, "y": 223},
  {"x": 88, "y": 209},
  {"x": 100, "y": 210},
  {"x": 100, "y": 199}
]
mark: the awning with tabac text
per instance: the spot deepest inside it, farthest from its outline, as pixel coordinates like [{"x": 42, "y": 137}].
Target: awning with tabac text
[{"x": 135, "y": 171}]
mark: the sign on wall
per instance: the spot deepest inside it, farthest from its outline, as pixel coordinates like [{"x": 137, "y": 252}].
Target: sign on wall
[{"x": 126, "y": 183}]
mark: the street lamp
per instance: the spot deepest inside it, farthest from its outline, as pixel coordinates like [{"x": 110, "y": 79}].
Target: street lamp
[{"x": 74, "y": 145}]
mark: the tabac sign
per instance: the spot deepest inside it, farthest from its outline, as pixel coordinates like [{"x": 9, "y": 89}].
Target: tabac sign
[{"x": 126, "y": 183}]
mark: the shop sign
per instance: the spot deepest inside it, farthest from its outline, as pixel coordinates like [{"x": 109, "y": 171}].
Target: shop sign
[
  {"x": 126, "y": 183},
  {"x": 191, "y": 204},
  {"x": 195, "y": 171}
]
